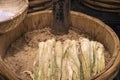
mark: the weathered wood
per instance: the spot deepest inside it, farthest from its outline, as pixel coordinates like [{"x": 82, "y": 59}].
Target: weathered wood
[
  {"x": 18, "y": 10},
  {"x": 103, "y": 5},
  {"x": 38, "y": 5},
  {"x": 5, "y": 69},
  {"x": 38, "y": 2},
  {"x": 109, "y": 1},
  {"x": 102, "y": 9},
  {"x": 81, "y": 22},
  {"x": 61, "y": 16}
]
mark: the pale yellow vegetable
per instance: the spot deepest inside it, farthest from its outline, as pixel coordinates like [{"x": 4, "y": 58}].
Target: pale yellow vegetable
[
  {"x": 93, "y": 64},
  {"x": 100, "y": 57},
  {"x": 58, "y": 53},
  {"x": 66, "y": 45},
  {"x": 47, "y": 59},
  {"x": 65, "y": 74},
  {"x": 58, "y": 59},
  {"x": 41, "y": 48},
  {"x": 73, "y": 51},
  {"x": 70, "y": 70},
  {"x": 70, "y": 60},
  {"x": 98, "y": 61},
  {"x": 73, "y": 57},
  {"x": 85, "y": 56}
]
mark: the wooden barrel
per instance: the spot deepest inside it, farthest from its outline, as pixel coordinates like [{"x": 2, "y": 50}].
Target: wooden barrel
[
  {"x": 103, "y": 5},
  {"x": 12, "y": 13},
  {"x": 38, "y": 5},
  {"x": 82, "y": 22}
]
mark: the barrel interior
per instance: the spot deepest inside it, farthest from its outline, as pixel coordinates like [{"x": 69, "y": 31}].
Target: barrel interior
[{"x": 88, "y": 25}]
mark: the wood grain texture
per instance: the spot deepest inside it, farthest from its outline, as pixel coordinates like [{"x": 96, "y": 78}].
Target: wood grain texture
[
  {"x": 38, "y": 2},
  {"x": 109, "y": 1},
  {"x": 38, "y": 5},
  {"x": 88, "y": 25},
  {"x": 103, "y": 5},
  {"x": 18, "y": 8}
]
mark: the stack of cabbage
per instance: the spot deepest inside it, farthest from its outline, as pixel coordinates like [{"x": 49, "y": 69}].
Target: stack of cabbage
[{"x": 69, "y": 60}]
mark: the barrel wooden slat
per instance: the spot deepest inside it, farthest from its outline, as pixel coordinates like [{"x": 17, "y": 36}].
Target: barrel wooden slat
[
  {"x": 38, "y": 1},
  {"x": 34, "y": 3},
  {"x": 38, "y": 5},
  {"x": 109, "y": 1},
  {"x": 39, "y": 8},
  {"x": 102, "y": 9},
  {"x": 7, "y": 72},
  {"x": 102, "y": 5}
]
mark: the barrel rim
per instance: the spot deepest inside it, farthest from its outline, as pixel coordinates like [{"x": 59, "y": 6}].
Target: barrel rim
[
  {"x": 115, "y": 61},
  {"x": 19, "y": 13}
]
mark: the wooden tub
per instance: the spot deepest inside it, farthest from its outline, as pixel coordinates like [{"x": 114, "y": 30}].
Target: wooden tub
[{"x": 89, "y": 25}]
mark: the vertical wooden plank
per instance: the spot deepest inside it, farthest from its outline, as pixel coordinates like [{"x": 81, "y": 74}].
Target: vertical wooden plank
[{"x": 61, "y": 16}]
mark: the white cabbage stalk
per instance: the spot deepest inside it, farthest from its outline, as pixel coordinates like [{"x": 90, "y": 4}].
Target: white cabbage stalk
[
  {"x": 41, "y": 48},
  {"x": 74, "y": 70},
  {"x": 70, "y": 71},
  {"x": 85, "y": 56},
  {"x": 47, "y": 59},
  {"x": 37, "y": 63},
  {"x": 98, "y": 62},
  {"x": 65, "y": 74},
  {"x": 100, "y": 57},
  {"x": 66, "y": 45},
  {"x": 73, "y": 51},
  {"x": 93, "y": 64},
  {"x": 58, "y": 59},
  {"x": 51, "y": 59},
  {"x": 72, "y": 60}
]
